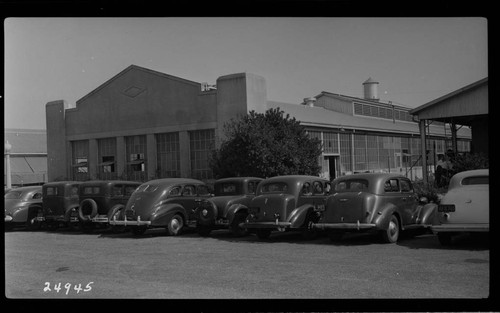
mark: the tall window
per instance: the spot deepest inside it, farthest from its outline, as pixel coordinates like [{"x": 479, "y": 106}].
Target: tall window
[
  {"x": 202, "y": 143},
  {"x": 360, "y": 153},
  {"x": 330, "y": 142},
  {"x": 345, "y": 153},
  {"x": 107, "y": 158},
  {"x": 80, "y": 153},
  {"x": 136, "y": 157},
  {"x": 372, "y": 152},
  {"x": 168, "y": 157}
]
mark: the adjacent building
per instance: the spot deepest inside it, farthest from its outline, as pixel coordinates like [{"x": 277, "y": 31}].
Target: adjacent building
[
  {"x": 142, "y": 124},
  {"x": 27, "y": 156}
]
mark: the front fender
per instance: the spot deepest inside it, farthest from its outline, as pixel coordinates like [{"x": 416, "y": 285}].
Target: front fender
[
  {"x": 235, "y": 208},
  {"x": 163, "y": 214},
  {"x": 382, "y": 216},
  {"x": 428, "y": 214},
  {"x": 298, "y": 216}
]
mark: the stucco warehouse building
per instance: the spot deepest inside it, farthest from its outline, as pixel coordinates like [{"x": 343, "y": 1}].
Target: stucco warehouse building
[{"x": 142, "y": 124}]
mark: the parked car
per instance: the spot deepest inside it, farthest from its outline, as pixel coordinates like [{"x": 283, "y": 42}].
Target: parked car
[
  {"x": 465, "y": 207},
  {"x": 168, "y": 202},
  {"x": 382, "y": 202},
  {"x": 60, "y": 204},
  {"x": 23, "y": 206},
  {"x": 287, "y": 203},
  {"x": 101, "y": 200},
  {"x": 229, "y": 207}
]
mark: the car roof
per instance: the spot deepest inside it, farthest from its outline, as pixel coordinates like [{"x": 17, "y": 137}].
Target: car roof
[
  {"x": 227, "y": 179},
  {"x": 27, "y": 188},
  {"x": 66, "y": 182},
  {"x": 105, "y": 182},
  {"x": 294, "y": 178},
  {"x": 173, "y": 181},
  {"x": 456, "y": 179}
]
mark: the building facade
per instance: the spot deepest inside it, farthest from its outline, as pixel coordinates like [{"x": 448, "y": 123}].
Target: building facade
[
  {"x": 27, "y": 156},
  {"x": 142, "y": 124}
]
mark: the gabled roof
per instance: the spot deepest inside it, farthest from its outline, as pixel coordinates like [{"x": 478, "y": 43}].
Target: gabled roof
[
  {"x": 139, "y": 68},
  {"x": 416, "y": 110}
]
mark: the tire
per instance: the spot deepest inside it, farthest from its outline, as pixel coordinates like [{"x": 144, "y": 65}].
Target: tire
[
  {"x": 309, "y": 233},
  {"x": 31, "y": 222},
  {"x": 335, "y": 236},
  {"x": 207, "y": 219},
  {"x": 138, "y": 230},
  {"x": 236, "y": 230},
  {"x": 391, "y": 234},
  {"x": 85, "y": 206},
  {"x": 263, "y": 233},
  {"x": 175, "y": 225},
  {"x": 444, "y": 239},
  {"x": 203, "y": 230},
  {"x": 116, "y": 211}
]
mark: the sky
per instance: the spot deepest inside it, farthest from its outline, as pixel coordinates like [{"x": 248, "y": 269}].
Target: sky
[{"x": 415, "y": 60}]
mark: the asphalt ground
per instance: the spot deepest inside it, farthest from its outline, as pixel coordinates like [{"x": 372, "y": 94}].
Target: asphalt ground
[{"x": 107, "y": 265}]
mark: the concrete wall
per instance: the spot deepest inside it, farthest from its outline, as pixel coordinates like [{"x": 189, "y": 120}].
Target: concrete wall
[{"x": 57, "y": 161}]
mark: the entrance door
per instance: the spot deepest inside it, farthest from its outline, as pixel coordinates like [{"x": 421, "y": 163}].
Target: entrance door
[{"x": 331, "y": 161}]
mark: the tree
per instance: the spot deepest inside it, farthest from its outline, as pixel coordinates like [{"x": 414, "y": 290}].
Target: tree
[{"x": 265, "y": 145}]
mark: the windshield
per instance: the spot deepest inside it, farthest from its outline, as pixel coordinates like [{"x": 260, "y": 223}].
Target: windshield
[
  {"x": 351, "y": 185},
  {"x": 147, "y": 188},
  {"x": 274, "y": 188},
  {"x": 226, "y": 189}
]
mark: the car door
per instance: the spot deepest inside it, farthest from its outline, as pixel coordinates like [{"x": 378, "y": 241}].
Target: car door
[
  {"x": 409, "y": 201},
  {"x": 188, "y": 199},
  {"x": 394, "y": 196}
]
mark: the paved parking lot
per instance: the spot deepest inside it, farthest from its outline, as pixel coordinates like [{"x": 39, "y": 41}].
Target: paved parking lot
[{"x": 156, "y": 266}]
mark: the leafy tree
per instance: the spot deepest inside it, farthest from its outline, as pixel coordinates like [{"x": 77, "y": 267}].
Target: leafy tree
[{"x": 265, "y": 145}]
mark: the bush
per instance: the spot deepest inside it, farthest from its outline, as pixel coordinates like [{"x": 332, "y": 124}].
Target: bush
[{"x": 428, "y": 190}]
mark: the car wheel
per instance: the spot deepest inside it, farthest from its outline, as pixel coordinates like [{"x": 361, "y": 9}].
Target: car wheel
[
  {"x": 32, "y": 223},
  {"x": 175, "y": 224},
  {"x": 310, "y": 233},
  {"x": 444, "y": 239},
  {"x": 203, "y": 230},
  {"x": 138, "y": 230},
  {"x": 335, "y": 236},
  {"x": 263, "y": 233},
  {"x": 239, "y": 218},
  {"x": 391, "y": 234}
]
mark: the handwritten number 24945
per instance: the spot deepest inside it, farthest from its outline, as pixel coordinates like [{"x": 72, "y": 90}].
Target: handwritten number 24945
[{"x": 67, "y": 287}]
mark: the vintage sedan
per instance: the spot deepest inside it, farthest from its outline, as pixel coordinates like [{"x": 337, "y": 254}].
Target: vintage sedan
[
  {"x": 60, "y": 204},
  {"x": 465, "y": 207},
  {"x": 287, "y": 203},
  {"x": 229, "y": 207},
  {"x": 101, "y": 200},
  {"x": 23, "y": 206},
  {"x": 168, "y": 202},
  {"x": 382, "y": 202}
]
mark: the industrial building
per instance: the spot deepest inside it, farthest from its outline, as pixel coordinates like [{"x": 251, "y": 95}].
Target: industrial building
[{"x": 142, "y": 124}]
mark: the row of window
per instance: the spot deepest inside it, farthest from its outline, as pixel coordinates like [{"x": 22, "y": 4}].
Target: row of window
[
  {"x": 381, "y": 112},
  {"x": 202, "y": 143}
]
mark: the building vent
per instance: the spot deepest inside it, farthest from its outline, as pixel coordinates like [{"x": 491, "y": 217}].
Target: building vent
[{"x": 309, "y": 101}]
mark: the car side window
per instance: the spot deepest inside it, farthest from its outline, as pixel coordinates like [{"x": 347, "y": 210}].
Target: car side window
[
  {"x": 406, "y": 185},
  {"x": 252, "y": 186},
  {"x": 188, "y": 190},
  {"x": 129, "y": 190},
  {"x": 317, "y": 188},
  {"x": 175, "y": 191},
  {"x": 118, "y": 190},
  {"x": 391, "y": 185},
  {"x": 37, "y": 195},
  {"x": 306, "y": 189}
]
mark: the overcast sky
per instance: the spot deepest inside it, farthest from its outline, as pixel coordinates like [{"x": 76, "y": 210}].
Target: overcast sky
[{"x": 415, "y": 60}]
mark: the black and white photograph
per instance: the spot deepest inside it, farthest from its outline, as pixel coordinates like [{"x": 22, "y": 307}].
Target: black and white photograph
[{"x": 247, "y": 158}]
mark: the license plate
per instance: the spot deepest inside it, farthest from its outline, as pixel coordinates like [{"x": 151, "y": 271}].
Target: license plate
[{"x": 445, "y": 208}]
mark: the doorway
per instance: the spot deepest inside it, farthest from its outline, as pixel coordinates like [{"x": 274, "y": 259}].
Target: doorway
[{"x": 331, "y": 164}]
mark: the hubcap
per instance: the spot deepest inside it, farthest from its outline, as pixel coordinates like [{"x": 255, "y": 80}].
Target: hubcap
[
  {"x": 175, "y": 224},
  {"x": 393, "y": 229}
]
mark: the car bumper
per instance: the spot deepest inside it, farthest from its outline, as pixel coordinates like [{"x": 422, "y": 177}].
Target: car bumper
[
  {"x": 9, "y": 219},
  {"x": 271, "y": 225},
  {"x": 357, "y": 226},
  {"x": 100, "y": 219},
  {"x": 459, "y": 228},
  {"x": 126, "y": 222},
  {"x": 61, "y": 218}
]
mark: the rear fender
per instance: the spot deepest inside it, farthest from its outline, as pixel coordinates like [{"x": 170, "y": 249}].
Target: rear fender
[
  {"x": 383, "y": 216},
  {"x": 163, "y": 214},
  {"x": 233, "y": 209},
  {"x": 298, "y": 216},
  {"x": 428, "y": 214},
  {"x": 73, "y": 208},
  {"x": 114, "y": 209}
]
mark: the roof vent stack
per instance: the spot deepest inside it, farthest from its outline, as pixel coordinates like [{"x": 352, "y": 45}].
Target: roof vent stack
[
  {"x": 309, "y": 101},
  {"x": 371, "y": 89}
]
